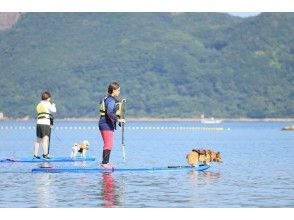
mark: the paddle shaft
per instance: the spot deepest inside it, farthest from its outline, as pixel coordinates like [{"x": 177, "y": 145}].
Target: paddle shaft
[
  {"x": 123, "y": 129},
  {"x": 49, "y": 139},
  {"x": 123, "y": 141}
]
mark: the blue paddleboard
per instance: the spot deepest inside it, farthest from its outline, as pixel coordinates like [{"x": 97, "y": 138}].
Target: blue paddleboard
[
  {"x": 91, "y": 169},
  {"x": 53, "y": 159}
]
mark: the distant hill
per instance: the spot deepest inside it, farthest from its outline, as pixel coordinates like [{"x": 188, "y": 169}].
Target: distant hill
[{"x": 168, "y": 64}]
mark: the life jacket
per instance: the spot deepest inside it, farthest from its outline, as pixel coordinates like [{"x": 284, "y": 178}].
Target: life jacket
[
  {"x": 118, "y": 112},
  {"x": 41, "y": 110}
]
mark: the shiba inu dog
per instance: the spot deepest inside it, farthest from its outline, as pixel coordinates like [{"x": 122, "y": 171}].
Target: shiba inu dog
[{"x": 203, "y": 156}]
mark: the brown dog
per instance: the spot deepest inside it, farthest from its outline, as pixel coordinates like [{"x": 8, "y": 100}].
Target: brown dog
[{"x": 204, "y": 156}]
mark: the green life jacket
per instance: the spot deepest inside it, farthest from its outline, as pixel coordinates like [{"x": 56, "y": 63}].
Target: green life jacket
[{"x": 118, "y": 112}]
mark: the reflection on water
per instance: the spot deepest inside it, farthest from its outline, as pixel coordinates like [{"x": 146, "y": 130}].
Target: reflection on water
[
  {"x": 208, "y": 176},
  {"x": 46, "y": 196},
  {"x": 200, "y": 187},
  {"x": 81, "y": 163},
  {"x": 108, "y": 187},
  {"x": 45, "y": 165},
  {"x": 112, "y": 191}
]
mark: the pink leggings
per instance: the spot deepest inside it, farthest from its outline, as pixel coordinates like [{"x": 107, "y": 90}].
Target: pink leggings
[{"x": 107, "y": 136}]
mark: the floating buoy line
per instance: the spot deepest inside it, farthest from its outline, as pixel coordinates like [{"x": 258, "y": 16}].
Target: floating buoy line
[{"x": 163, "y": 128}]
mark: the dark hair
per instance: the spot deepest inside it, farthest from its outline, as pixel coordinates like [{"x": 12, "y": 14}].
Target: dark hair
[
  {"x": 45, "y": 95},
  {"x": 112, "y": 86}
]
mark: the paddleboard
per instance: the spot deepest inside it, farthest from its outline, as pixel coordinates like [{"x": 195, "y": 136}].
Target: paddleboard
[
  {"x": 53, "y": 159},
  {"x": 91, "y": 169}
]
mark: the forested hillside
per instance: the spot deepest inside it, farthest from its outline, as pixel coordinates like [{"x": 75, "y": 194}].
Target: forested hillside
[{"x": 168, "y": 64}]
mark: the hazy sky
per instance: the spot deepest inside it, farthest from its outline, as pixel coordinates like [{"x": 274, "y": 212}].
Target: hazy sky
[
  {"x": 244, "y": 14},
  {"x": 147, "y": 6}
]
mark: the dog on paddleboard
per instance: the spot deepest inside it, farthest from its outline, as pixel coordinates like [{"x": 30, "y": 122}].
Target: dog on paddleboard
[
  {"x": 203, "y": 156},
  {"x": 81, "y": 149}
]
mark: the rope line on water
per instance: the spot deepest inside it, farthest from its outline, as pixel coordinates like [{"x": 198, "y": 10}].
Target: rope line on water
[{"x": 175, "y": 128}]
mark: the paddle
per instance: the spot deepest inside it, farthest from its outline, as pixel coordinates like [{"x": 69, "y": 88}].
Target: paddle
[
  {"x": 51, "y": 126},
  {"x": 123, "y": 105},
  {"x": 49, "y": 141}
]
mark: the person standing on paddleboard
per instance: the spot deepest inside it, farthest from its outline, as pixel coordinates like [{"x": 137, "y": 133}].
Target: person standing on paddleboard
[
  {"x": 44, "y": 124},
  {"x": 109, "y": 115}
]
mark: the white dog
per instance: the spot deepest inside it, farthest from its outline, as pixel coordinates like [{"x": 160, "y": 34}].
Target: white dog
[{"x": 80, "y": 148}]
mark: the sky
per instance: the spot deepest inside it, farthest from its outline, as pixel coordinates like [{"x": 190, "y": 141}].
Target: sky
[
  {"x": 244, "y": 14},
  {"x": 248, "y": 6}
]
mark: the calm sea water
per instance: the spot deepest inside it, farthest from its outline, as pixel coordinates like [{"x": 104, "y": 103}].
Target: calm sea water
[{"x": 258, "y": 168}]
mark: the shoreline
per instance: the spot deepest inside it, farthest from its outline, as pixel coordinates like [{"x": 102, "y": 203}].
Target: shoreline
[{"x": 147, "y": 119}]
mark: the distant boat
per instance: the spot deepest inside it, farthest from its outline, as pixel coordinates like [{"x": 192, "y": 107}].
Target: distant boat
[
  {"x": 288, "y": 128},
  {"x": 210, "y": 121}
]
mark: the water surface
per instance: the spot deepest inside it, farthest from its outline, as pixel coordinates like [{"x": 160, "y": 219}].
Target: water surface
[{"x": 258, "y": 168}]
